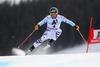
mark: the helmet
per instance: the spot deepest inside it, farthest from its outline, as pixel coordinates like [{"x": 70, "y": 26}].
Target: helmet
[{"x": 53, "y": 10}]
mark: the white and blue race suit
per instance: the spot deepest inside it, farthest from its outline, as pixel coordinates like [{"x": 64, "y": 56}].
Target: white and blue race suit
[{"x": 53, "y": 30}]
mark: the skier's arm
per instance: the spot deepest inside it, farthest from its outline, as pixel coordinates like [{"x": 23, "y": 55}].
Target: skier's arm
[
  {"x": 73, "y": 24},
  {"x": 70, "y": 23},
  {"x": 41, "y": 23}
]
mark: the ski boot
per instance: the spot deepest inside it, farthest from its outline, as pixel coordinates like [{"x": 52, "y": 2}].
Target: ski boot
[
  {"x": 49, "y": 44},
  {"x": 30, "y": 50}
]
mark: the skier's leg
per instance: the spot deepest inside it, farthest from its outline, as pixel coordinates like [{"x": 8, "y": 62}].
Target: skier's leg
[
  {"x": 44, "y": 37},
  {"x": 35, "y": 45},
  {"x": 58, "y": 33},
  {"x": 38, "y": 42},
  {"x": 54, "y": 34}
]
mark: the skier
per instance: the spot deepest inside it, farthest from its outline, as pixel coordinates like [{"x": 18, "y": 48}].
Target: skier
[{"x": 53, "y": 30}]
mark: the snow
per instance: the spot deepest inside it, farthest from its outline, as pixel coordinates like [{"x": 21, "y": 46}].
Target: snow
[
  {"x": 72, "y": 57},
  {"x": 17, "y": 51},
  {"x": 61, "y": 60}
]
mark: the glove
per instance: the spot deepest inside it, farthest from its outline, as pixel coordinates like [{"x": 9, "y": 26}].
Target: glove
[
  {"x": 76, "y": 27},
  {"x": 37, "y": 27}
]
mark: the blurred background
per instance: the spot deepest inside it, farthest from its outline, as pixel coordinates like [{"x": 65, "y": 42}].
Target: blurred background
[{"x": 18, "y": 18}]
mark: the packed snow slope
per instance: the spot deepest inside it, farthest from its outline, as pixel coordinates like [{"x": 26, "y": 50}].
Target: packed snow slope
[
  {"x": 61, "y": 60},
  {"x": 73, "y": 57}
]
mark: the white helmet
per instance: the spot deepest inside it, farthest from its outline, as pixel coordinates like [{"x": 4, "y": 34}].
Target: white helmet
[{"x": 53, "y": 10}]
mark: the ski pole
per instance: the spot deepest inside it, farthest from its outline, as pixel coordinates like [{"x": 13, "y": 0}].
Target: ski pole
[
  {"x": 26, "y": 39},
  {"x": 82, "y": 36}
]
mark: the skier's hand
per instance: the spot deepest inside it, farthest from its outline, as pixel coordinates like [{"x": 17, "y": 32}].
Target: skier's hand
[
  {"x": 37, "y": 27},
  {"x": 76, "y": 27}
]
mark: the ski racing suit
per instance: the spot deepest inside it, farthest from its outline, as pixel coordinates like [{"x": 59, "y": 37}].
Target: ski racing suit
[{"x": 53, "y": 30}]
